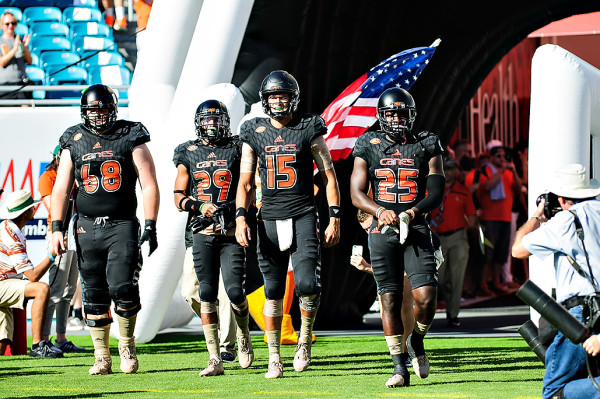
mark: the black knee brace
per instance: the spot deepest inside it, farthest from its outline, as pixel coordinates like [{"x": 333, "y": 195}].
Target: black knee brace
[
  {"x": 127, "y": 313},
  {"x": 98, "y": 322}
]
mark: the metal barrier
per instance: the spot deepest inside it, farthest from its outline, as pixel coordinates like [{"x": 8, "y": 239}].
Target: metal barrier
[{"x": 54, "y": 101}]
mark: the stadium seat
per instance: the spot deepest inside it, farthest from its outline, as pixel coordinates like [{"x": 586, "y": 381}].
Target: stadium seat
[
  {"x": 39, "y": 14},
  {"x": 85, "y": 43},
  {"x": 101, "y": 59},
  {"x": 90, "y": 29},
  {"x": 49, "y": 29},
  {"x": 110, "y": 75},
  {"x": 58, "y": 58},
  {"x": 75, "y": 3},
  {"x": 35, "y": 59},
  {"x": 72, "y": 76},
  {"x": 14, "y": 10},
  {"x": 38, "y": 77},
  {"x": 73, "y": 14},
  {"x": 49, "y": 43}
]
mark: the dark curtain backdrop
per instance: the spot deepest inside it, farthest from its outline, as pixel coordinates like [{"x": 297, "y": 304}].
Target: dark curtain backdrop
[{"x": 327, "y": 44}]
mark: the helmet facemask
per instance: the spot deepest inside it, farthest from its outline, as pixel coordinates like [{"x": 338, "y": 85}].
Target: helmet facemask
[
  {"x": 100, "y": 121},
  {"x": 400, "y": 123},
  {"x": 279, "y": 82},
  {"x": 212, "y": 126},
  {"x": 276, "y": 113}
]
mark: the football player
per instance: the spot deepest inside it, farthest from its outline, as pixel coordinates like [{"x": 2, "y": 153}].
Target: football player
[
  {"x": 208, "y": 170},
  {"x": 406, "y": 173},
  {"x": 106, "y": 157},
  {"x": 284, "y": 146}
]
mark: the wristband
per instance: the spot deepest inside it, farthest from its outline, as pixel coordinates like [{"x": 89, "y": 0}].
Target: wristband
[
  {"x": 57, "y": 225},
  {"x": 51, "y": 257},
  {"x": 379, "y": 212},
  {"x": 193, "y": 206},
  {"x": 241, "y": 211},
  {"x": 179, "y": 204},
  {"x": 334, "y": 211},
  {"x": 150, "y": 224},
  {"x": 411, "y": 213}
]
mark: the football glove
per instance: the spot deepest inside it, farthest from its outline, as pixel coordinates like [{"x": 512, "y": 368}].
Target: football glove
[
  {"x": 199, "y": 223},
  {"x": 149, "y": 235}
]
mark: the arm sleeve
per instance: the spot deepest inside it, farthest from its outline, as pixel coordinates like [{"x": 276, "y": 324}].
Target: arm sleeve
[{"x": 435, "y": 194}]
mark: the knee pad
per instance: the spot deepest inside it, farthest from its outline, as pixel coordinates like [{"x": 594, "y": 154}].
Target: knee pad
[
  {"x": 273, "y": 308},
  {"x": 126, "y": 296},
  {"x": 127, "y": 313},
  {"x": 310, "y": 303},
  {"x": 208, "y": 307},
  {"x": 96, "y": 309},
  {"x": 236, "y": 295},
  {"x": 99, "y": 322}
]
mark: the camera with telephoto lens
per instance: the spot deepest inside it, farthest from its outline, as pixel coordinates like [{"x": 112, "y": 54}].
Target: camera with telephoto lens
[{"x": 551, "y": 205}]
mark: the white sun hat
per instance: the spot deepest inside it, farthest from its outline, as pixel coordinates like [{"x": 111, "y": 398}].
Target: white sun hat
[
  {"x": 16, "y": 203},
  {"x": 571, "y": 181}
]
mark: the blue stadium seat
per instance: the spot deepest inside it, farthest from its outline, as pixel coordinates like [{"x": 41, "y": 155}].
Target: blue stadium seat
[
  {"x": 49, "y": 29},
  {"x": 35, "y": 59},
  {"x": 14, "y": 10},
  {"x": 39, "y": 14},
  {"x": 73, "y": 75},
  {"x": 102, "y": 58},
  {"x": 86, "y": 3},
  {"x": 90, "y": 29},
  {"x": 48, "y": 43},
  {"x": 37, "y": 77},
  {"x": 110, "y": 75},
  {"x": 58, "y": 58},
  {"x": 85, "y": 43},
  {"x": 73, "y": 14}
]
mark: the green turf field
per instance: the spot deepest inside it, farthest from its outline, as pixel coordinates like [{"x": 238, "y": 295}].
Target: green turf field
[{"x": 341, "y": 367}]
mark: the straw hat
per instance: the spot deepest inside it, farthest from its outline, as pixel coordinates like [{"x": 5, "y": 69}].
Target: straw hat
[
  {"x": 571, "y": 181},
  {"x": 16, "y": 203}
]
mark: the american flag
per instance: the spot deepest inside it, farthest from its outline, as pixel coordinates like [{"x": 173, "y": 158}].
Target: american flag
[{"x": 355, "y": 110}]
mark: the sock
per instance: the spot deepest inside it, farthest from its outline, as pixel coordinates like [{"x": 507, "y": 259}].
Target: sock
[
  {"x": 120, "y": 11},
  {"x": 109, "y": 12},
  {"x": 78, "y": 313},
  {"x": 126, "y": 329},
  {"x": 274, "y": 343},
  {"x": 306, "y": 328},
  {"x": 394, "y": 343},
  {"x": 71, "y": 309},
  {"x": 242, "y": 324},
  {"x": 211, "y": 335},
  {"x": 100, "y": 336}
]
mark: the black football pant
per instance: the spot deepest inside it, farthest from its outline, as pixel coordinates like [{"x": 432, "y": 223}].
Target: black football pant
[{"x": 108, "y": 258}]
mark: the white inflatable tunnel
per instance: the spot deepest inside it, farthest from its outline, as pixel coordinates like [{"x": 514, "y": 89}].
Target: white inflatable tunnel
[{"x": 564, "y": 128}]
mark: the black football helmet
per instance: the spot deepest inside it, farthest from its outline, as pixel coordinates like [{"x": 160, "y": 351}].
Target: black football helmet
[
  {"x": 397, "y": 100},
  {"x": 279, "y": 82},
  {"x": 99, "y": 97},
  {"x": 216, "y": 112}
]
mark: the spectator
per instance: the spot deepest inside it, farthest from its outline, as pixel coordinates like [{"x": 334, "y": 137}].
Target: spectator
[
  {"x": 571, "y": 237},
  {"x": 449, "y": 221},
  {"x": 499, "y": 184},
  {"x": 14, "y": 54},
  {"x": 114, "y": 14},
  {"x": 63, "y": 272},
  {"x": 142, "y": 9},
  {"x": 463, "y": 159},
  {"x": 15, "y": 290}
]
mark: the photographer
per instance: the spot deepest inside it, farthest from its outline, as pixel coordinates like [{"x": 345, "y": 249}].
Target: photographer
[{"x": 575, "y": 209}]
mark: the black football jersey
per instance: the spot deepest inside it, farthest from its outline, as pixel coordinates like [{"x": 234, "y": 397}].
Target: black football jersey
[
  {"x": 104, "y": 169},
  {"x": 397, "y": 173},
  {"x": 214, "y": 170},
  {"x": 285, "y": 163}
]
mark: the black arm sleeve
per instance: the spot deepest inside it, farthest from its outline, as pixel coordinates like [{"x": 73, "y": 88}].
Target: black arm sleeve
[{"x": 435, "y": 193}]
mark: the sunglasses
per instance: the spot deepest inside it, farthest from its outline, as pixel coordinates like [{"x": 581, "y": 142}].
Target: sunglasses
[{"x": 10, "y": 23}]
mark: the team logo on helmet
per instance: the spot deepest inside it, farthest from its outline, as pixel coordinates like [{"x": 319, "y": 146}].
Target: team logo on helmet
[
  {"x": 77, "y": 136},
  {"x": 192, "y": 148},
  {"x": 261, "y": 129},
  {"x": 375, "y": 141}
]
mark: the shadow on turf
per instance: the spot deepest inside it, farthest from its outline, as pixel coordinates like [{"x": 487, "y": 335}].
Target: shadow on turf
[{"x": 81, "y": 395}]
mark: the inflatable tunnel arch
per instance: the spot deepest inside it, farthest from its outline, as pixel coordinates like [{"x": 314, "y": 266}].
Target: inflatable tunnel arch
[{"x": 326, "y": 45}]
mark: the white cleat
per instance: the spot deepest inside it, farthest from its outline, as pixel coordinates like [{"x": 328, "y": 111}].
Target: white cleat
[
  {"x": 129, "y": 361},
  {"x": 397, "y": 380},
  {"x": 102, "y": 366},
  {"x": 214, "y": 367},
  {"x": 421, "y": 366},
  {"x": 275, "y": 370},
  {"x": 302, "y": 357},
  {"x": 245, "y": 351}
]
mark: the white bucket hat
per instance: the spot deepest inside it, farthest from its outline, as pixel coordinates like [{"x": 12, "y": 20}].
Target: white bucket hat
[
  {"x": 571, "y": 181},
  {"x": 16, "y": 203}
]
